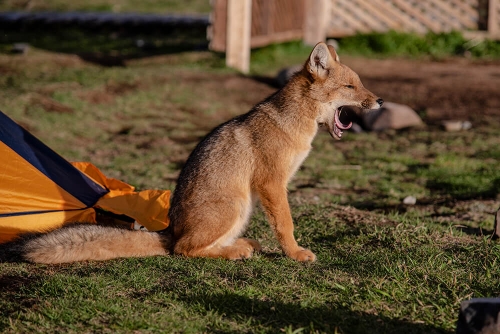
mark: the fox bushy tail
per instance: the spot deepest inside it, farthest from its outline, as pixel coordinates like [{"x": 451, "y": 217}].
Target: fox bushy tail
[{"x": 84, "y": 242}]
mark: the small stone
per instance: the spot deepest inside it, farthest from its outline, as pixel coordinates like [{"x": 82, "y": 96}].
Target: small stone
[
  {"x": 21, "y": 48},
  {"x": 454, "y": 125},
  {"x": 466, "y": 125},
  {"x": 410, "y": 200},
  {"x": 333, "y": 42},
  {"x": 140, "y": 43}
]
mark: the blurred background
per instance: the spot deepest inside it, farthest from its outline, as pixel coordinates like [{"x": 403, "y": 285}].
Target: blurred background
[{"x": 130, "y": 28}]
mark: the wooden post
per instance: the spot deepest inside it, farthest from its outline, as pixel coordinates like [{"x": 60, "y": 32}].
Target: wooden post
[
  {"x": 316, "y": 21},
  {"x": 238, "y": 30},
  {"x": 493, "y": 23},
  {"x": 496, "y": 227}
]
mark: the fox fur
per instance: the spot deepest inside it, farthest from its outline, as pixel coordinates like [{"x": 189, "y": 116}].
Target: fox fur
[{"x": 246, "y": 160}]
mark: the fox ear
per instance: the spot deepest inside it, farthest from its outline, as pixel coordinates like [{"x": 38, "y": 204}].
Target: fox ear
[
  {"x": 333, "y": 53},
  {"x": 319, "y": 61}
]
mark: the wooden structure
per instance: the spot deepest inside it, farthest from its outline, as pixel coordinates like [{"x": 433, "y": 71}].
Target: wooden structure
[
  {"x": 239, "y": 25},
  {"x": 272, "y": 21},
  {"x": 349, "y": 17}
]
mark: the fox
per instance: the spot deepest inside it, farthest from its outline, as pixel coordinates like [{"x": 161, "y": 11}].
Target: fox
[{"x": 247, "y": 160}]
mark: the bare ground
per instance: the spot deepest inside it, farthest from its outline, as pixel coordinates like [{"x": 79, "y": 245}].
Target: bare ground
[{"x": 453, "y": 89}]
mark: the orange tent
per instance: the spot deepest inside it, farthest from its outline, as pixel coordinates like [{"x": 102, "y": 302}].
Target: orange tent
[{"x": 41, "y": 191}]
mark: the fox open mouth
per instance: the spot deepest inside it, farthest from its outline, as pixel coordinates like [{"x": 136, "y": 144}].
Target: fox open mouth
[{"x": 336, "y": 128}]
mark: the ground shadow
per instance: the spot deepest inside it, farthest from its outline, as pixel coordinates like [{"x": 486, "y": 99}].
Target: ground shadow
[
  {"x": 11, "y": 287},
  {"x": 464, "y": 190},
  {"x": 275, "y": 316},
  {"x": 105, "y": 45}
]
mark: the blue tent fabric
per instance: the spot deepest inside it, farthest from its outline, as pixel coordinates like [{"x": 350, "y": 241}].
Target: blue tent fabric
[{"x": 51, "y": 164}]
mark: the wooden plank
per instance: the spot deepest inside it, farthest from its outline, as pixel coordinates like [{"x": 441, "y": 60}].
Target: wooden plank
[
  {"x": 464, "y": 20},
  {"x": 340, "y": 33},
  {"x": 316, "y": 21},
  {"x": 337, "y": 25},
  {"x": 289, "y": 15},
  {"x": 407, "y": 24},
  {"x": 493, "y": 17},
  {"x": 259, "y": 18},
  {"x": 239, "y": 17},
  {"x": 352, "y": 22},
  {"x": 278, "y": 37},
  {"x": 470, "y": 9},
  {"x": 286, "y": 13},
  {"x": 377, "y": 9},
  {"x": 417, "y": 14},
  {"x": 272, "y": 17},
  {"x": 438, "y": 16},
  {"x": 370, "y": 21},
  {"x": 481, "y": 35},
  {"x": 217, "y": 29}
]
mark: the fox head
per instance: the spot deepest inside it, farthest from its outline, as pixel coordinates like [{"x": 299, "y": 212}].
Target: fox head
[{"x": 335, "y": 85}]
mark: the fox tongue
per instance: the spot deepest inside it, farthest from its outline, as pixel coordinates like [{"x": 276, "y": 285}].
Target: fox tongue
[
  {"x": 338, "y": 123},
  {"x": 335, "y": 128}
]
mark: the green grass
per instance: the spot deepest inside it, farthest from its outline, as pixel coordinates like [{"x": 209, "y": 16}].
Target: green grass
[
  {"x": 382, "y": 267},
  {"x": 390, "y": 44},
  {"x": 436, "y": 45},
  {"x": 407, "y": 277}
]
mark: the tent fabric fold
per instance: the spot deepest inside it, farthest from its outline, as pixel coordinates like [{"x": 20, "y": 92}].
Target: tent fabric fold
[
  {"x": 148, "y": 207},
  {"x": 41, "y": 191}
]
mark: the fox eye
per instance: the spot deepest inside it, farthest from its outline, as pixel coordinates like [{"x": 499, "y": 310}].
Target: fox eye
[{"x": 349, "y": 86}]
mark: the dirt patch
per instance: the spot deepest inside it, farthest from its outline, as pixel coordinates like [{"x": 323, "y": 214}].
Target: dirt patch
[
  {"x": 50, "y": 105},
  {"x": 109, "y": 92},
  {"x": 453, "y": 89}
]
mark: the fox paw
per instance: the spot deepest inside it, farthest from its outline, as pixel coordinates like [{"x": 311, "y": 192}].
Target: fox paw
[
  {"x": 239, "y": 252},
  {"x": 254, "y": 244},
  {"x": 303, "y": 255}
]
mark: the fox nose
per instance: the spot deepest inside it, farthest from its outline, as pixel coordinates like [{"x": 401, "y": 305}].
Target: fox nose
[{"x": 380, "y": 101}]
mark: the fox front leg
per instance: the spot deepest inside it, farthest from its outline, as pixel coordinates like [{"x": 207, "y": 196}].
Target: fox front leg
[{"x": 275, "y": 202}]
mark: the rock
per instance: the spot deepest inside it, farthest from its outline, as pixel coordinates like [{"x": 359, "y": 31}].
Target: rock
[
  {"x": 21, "y": 48},
  {"x": 410, "y": 200},
  {"x": 479, "y": 316},
  {"x": 453, "y": 125},
  {"x": 356, "y": 128},
  {"x": 333, "y": 42},
  {"x": 391, "y": 116},
  {"x": 286, "y": 73}
]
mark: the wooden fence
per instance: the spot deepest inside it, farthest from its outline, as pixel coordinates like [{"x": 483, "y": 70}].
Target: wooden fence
[
  {"x": 272, "y": 21},
  {"x": 238, "y": 25},
  {"x": 349, "y": 17}
]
